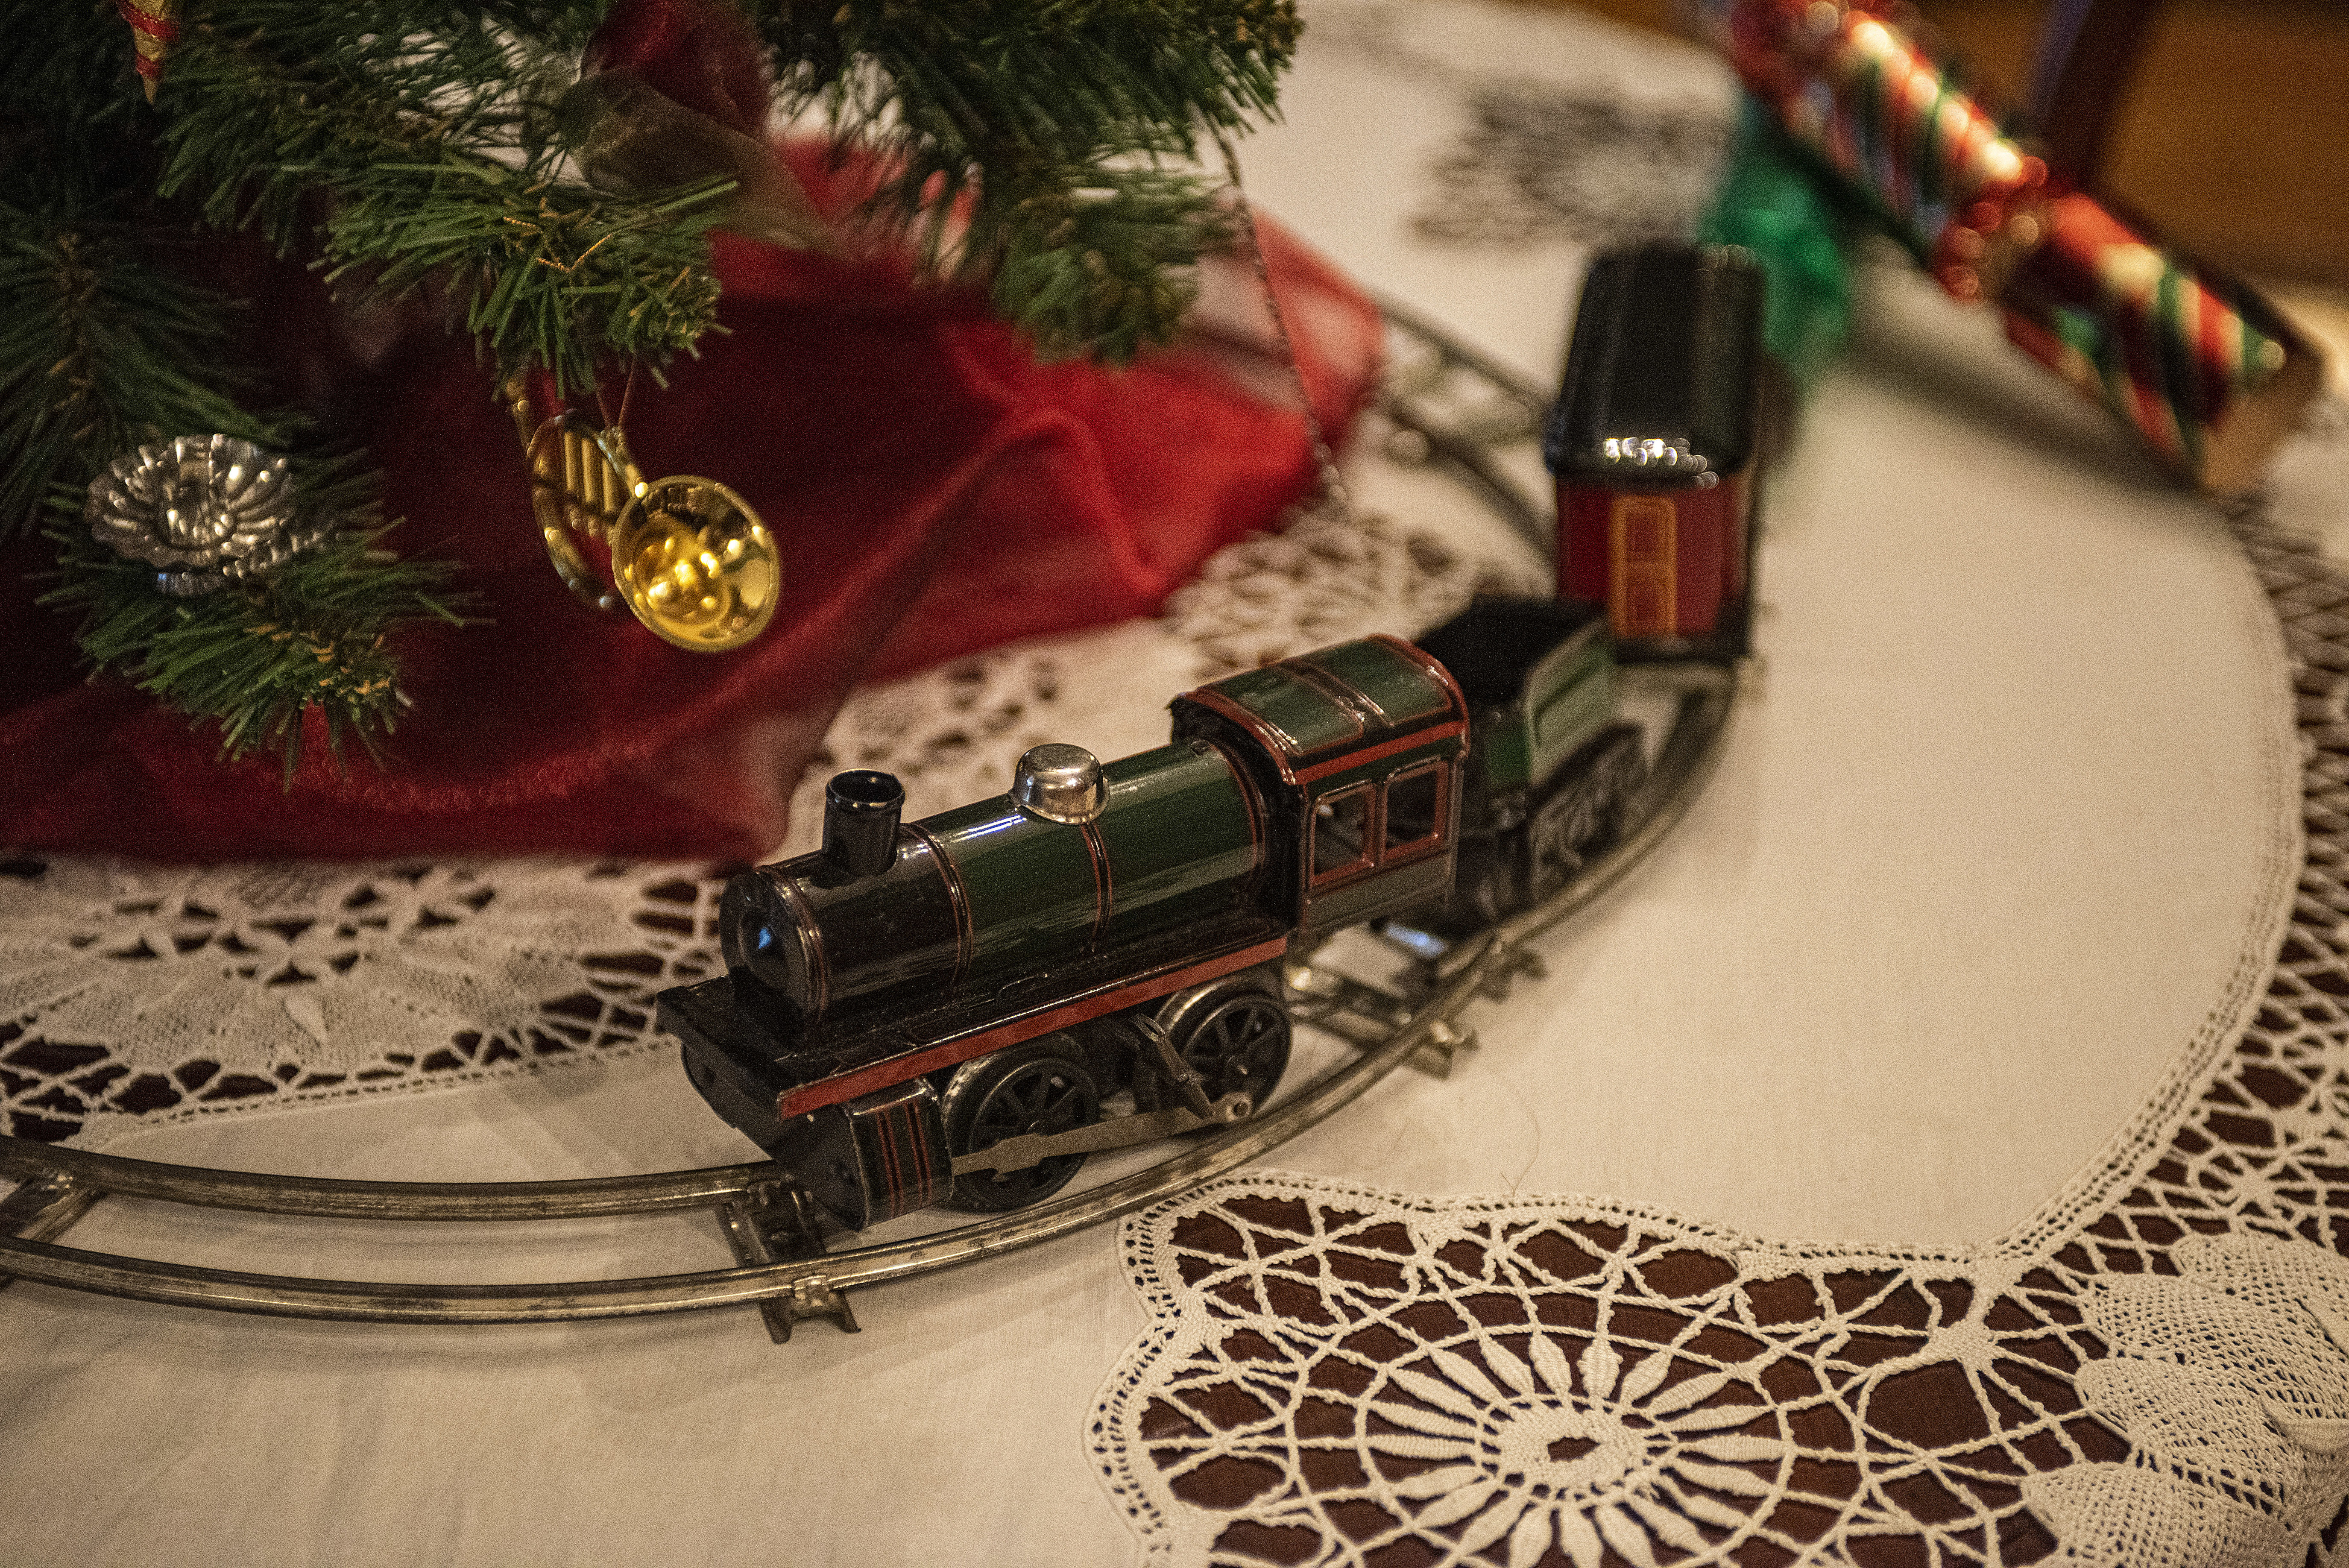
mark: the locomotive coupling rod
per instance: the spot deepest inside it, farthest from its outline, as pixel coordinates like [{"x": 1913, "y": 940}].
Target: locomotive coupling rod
[
  {"x": 1117, "y": 1132},
  {"x": 1179, "y": 1073}
]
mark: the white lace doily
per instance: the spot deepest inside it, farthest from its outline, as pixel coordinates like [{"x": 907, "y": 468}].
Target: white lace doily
[
  {"x": 1608, "y": 158},
  {"x": 2154, "y": 1372},
  {"x": 135, "y": 995}
]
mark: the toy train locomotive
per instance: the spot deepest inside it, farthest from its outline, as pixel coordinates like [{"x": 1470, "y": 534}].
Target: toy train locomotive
[{"x": 957, "y": 1011}]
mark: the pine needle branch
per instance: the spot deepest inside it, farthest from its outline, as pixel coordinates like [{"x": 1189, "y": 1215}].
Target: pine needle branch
[
  {"x": 99, "y": 350},
  {"x": 440, "y": 145},
  {"x": 1040, "y": 148},
  {"x": 1086, "y": 269},
  {"x": 254, "y": 658},
  {"x": 554, "y": 274},
  {"x": 1056, "y": 128}
]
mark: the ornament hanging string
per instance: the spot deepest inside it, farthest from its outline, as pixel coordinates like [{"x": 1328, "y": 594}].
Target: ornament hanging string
[
  {"x": 1330, "y": 484},
  {"x": 627, "y": 391}
]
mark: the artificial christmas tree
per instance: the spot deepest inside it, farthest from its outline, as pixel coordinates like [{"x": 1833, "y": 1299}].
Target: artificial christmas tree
[{"x": 346, "y": 235}]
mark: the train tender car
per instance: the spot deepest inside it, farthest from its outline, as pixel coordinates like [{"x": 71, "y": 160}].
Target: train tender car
[
  {"x": 1653, "y": 444},
  {"x": 1550, "y": 766},
  {"x": 914, "y": 995}
]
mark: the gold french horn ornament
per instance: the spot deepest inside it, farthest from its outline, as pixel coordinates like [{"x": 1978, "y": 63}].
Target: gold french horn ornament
[{"x": 690, "y": 558}]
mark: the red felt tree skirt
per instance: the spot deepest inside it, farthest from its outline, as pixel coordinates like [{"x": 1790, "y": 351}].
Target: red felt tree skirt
[{"x": 933, "y": 491}]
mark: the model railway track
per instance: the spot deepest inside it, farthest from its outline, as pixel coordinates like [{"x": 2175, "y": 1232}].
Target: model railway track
[{"x": 56, "y": 1186}]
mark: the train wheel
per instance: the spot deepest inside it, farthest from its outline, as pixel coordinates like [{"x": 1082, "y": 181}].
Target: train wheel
[
  {"x": 1042, "y": 1087},
  {"x": 1235, "y": 1037},
  {"x": 1626, "y": 770},
  {"x": 1553, "y": 857}
]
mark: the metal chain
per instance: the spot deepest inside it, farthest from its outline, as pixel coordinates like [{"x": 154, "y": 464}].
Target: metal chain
[{"x": 1332, "y": 490}]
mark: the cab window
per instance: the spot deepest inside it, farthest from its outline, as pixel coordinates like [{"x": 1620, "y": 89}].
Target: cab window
[
  {"x": 1342, "y": 832},
  {"x": 1414, "y": 815}
]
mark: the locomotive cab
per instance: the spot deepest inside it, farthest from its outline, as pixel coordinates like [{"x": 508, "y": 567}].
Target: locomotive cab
[{"x": 1357, "y": 748}]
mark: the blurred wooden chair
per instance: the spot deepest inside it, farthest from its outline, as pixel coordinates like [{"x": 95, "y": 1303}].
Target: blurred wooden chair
[{"x": 2223, "y": 121}]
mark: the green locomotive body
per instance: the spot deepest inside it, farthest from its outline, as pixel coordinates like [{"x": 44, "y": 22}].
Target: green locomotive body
[
  {"x": 911, "y": 994},
  {"x": 978, "y": 896}
]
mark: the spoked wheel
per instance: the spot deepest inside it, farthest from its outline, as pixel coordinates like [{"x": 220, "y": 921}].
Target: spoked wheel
[
  {"x": 1237, "y": 1042},
  {"x": 1038, "y": 1087}
]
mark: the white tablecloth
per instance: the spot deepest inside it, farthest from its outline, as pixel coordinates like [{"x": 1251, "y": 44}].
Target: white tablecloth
[{"x": 2008, "y": 831}]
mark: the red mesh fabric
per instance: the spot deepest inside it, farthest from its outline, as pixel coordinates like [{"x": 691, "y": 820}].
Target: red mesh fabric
[
  {"x": 699, "y": 54},
  {"x": 934, "y": 491}
]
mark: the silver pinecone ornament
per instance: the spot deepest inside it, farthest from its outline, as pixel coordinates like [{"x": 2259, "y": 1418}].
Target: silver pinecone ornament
[{"x": 205, "y": 511}]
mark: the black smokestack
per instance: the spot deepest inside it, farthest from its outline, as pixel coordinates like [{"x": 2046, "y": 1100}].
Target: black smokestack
[{"x": 861, "y": 808}]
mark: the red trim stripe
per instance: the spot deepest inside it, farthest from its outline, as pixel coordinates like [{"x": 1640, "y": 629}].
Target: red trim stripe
[
  {"x": 1438, "y": 732},
  {"x": 1276, "y": 742},
  {"x": 929, "y": 1177},
  {"x": 1431, "y": 666},
  {"x": 897, "y": 1069},
  {"x": 951, "y": 876},
  {"x": 885, "y": 1134},
  {"x": 159, "y": 27},
  {"x": 1104, "y": 886}
]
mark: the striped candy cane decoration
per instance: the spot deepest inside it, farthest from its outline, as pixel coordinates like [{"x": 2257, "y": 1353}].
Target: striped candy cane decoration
[
  {"x": 153, "y": 31},
  {"x": 1894, "y": 123},
  {"x": 2198, "y": 365},
  {"x": 2155, "y": 341}
]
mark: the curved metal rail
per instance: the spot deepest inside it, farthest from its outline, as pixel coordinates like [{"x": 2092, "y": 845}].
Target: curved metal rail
[
  {"x": 1434, "y": 424},
  {"x": 58, "y": 1185}
]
